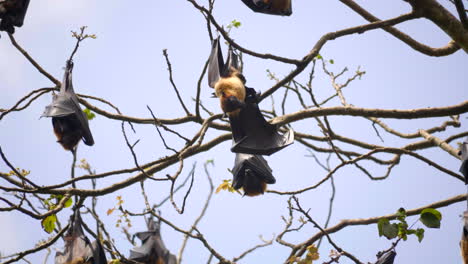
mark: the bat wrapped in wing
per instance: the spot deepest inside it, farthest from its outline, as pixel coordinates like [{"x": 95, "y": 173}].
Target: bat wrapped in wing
[
  {"x": 78, "y": 248},
  {"x": 69, "y": 121},
  {"x": 272, "y": 7},
  {"x": 12, "y": 13},
  {"x": 387, "y": 258},
  {"x": 252, "y": 174},
  {"x": 464, "y": 156},
  {"x": 464, "y": 239},
  {"x": 252, "y": 134},
  {"x": 152, "y": 249}
]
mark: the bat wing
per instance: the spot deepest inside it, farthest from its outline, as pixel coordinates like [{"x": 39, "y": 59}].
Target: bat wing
[
  {"x": 253, "y": 134},
  {"x": 77, "y": 245},
  {"x": 271, "y": 7},
  {"x": 215, "y": 63},
  {"x": 12, "y": 14},
  {"x": 464, "y": 157},
  {"x": 387, "y": 258},
  {"x": 464, "y": 239},
  {"x": 97, "y": 252}
]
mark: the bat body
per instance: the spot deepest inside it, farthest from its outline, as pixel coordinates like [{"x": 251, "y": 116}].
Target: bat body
[
  {"x": 252, "y": 174},
  {"x": 69, "y": 121},
  {"x": 12, "y": 13},
  {"x": 272, "y": 7},
  {"x": 78, "y": 248},
  {"x": 152, "y": 250},
  {"x": 464, "y": 239},
  {"x": 387, "y": 258},
  {"x": 464, "y": 156},
  {"x": 252, "y": 134}
]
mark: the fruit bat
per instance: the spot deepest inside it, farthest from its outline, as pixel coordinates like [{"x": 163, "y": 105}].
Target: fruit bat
[
  {"x": 272, "y": 7},
  {"x": 78, "y": 248},
  {"x": 152, "y": 249},
  {"x": 464, "y": 156},
  {"x": 252, "y": 134},
  {"x": 12, "y": 14},
  {"x": 69, "y": 121},
  {"x": 387, "y": 258},
  {"x": 252, "y": 174},
  {"x": 464, "y": 239}
]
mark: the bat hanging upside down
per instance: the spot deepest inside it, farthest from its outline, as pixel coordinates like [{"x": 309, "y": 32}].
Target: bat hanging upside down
[
  {"x": 252, "y": 174},
  {"x": 152, "y": 250},
  {"x": 252, "y": 134},
  {"x": 69, "y": 121},
  {"x": 12, "y": 13},
  {"x": 78, "y": 248},
  {"x": 272, "y": 7}
]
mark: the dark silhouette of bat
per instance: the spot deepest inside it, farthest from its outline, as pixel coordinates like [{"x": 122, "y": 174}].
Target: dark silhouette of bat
[
  {"x": 252, "y": 174},
  {"x": 464, "y": 239},
  {"x": 69, "y": 121},
  {"x": 252, "y": 134},
  {"x": 387, "y": 258},
  {"x": 78, "y": 248},
  {"x": 464, "y": 156},
  {"x": 12, "y": 13},
  {"x": 272, "y": 7},
  {"x": 152, "y": 249}
]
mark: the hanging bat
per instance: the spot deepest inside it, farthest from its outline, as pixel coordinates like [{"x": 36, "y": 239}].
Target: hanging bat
[
  {"x": 387, "y": 258},
  {"x": 252, "y": 134},
  {"x": 252, "y": 174},
  {"x": 12, "y": 13},
  {"x": 78, "y": 248},
  {"x": 464, "y": 239},
  {"x": 152, "y": 249},
  {"x": 464, "y": 156},
  {"x": 272, "y": 7},
  {"x": 69, "y": 121}
]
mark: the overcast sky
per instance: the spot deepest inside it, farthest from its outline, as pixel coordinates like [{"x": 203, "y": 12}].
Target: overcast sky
[{"x": 125, "y": 65}]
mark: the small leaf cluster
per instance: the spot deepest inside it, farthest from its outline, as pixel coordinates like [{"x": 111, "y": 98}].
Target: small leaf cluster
[
  {"x": 123, "y": 217},
  {"x": 429, "y": 217},
  {"x": 48, "y": 223},
  {"x": 23, "y": 172},
  {"x": 312, "y": 254},
  {"x": 234, "y": 24},
  {"x": 89, "y": 115},
  {"x": 226, "y": 185},
  {"x": 81, "y": 36}
]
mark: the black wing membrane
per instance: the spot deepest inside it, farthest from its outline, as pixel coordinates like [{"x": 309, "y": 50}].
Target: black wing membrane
[
  {"x": 253, "y": 134},
  {"x": 252, "y": 173},
  {"x": 215, "y": 63},
  {"x": 271, "y": 7},
  {"x": 78, "y": 248},
  {"x": 464, "y": 156},
  {"x": 66, "y": 112},
  {"x": 12, "y": 13},
  {"x": 387, "y": 258},
  {"x": 152, "y": 249}
]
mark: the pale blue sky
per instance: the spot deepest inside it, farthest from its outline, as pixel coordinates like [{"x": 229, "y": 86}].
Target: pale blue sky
[{"x": 125, "y": 65}]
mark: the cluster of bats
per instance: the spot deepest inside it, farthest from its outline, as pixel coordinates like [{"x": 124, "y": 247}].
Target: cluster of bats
[
  {"x": 80, "y": 250},
  {"x": 252, "y": 137}
]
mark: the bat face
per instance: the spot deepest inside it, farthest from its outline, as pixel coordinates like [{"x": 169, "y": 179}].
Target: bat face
[
  {"x": 12, "y": 13},
  {"x": 252, "y": 174},
  {"x": 152, "y": 250},
  {"x": 69, "y": 121},
  {"x": 272, "y": 7},
  {"x": 78, "y": 248}
]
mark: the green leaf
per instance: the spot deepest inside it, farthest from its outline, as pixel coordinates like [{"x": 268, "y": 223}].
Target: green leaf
[
  {"x": 332, "y": 61},
  {"x": 68, "y": 203},
  {"x": 380, "y": 225},
  {"x": 319, "y": 57},
  {"x": 420, "y": 234},
  {"x": 401, "y": 214},
  {"x": 431, "y": 218},
  {"x": 48, "y": 223},
  {"x": 386, "y": 229},
  {"x": 90, "y": 115},
  {"x": 236, "y": 23}
]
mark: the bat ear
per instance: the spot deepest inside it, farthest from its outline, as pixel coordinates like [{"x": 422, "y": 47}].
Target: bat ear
[{"x": 215, "y": 63}]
